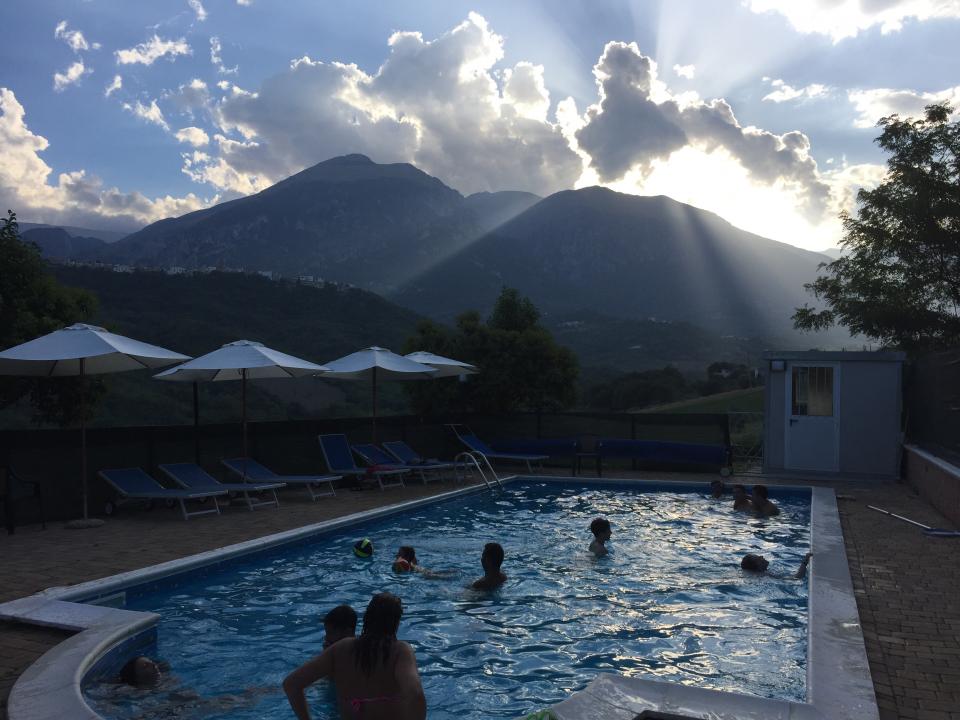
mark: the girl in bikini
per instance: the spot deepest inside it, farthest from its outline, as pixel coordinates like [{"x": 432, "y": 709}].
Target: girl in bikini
[{"x": 375, "y": 674}]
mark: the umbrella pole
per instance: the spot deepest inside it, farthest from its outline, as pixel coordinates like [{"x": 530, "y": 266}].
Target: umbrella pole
[
  {"x": 374, "y": 433},
  {"x": 243, "y": 395},
  {"x": 83, "y": 441},
  {"x": 196, "y": 423}
]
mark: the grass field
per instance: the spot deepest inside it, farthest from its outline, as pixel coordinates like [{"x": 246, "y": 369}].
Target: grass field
[{"x": 749, "y": 400}]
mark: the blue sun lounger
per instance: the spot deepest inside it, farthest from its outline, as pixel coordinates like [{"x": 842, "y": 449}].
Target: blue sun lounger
[
  {"x": 410, "y": 457},
  {"x": 134, "y": 484},
  {"x": 373, "y": 455},
  {"x": 193, "y": 477},
  {"x": 475, "y": 444},
  {"x": 251, "y": 471},
  {"x": 339, "y": 459}
]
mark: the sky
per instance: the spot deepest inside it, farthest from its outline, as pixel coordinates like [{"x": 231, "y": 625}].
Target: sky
[{"x": 118, "y": 113}]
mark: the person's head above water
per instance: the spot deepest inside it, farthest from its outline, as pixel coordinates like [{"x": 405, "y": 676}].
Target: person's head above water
[
  {"x": 407, "y": 553},
  {"x": 760, "y": 491},
  {"x": 140, "y": 672},
  {"x": 716, "y": 488},
  {"x": 339, "y": 623},
  {"x": 754, "y": 563},
  {"x": 600, "y": 527},
  {"x": 381, "y": 620},
  {"x": 492, "y": 557}
]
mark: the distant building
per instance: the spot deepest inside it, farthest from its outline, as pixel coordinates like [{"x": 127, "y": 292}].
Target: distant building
[{"x": 175, "y": 270}]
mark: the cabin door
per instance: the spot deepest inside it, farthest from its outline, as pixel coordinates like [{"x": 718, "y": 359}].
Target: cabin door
[{"x": 812, "y": 439}]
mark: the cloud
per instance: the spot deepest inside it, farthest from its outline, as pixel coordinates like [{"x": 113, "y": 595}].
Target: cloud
[
  {"x": 245, "y": 3},
  {"x": 199, "y": 10},
  {"x": 151, "y": 113},
  {"x": 685, "y": 71},
  {"x": 146, "y": 53},
  {"x": 784, "y": 93},
  {"x": 72, "y": 76},
  {"x": 217, "y": 59},
  {"x": 637, "y": 123},
  {"x": 77, "y": 198},
  {"x": 193, "y": 135},
  {"x": 475, "y": 128},
  {"x": 73, "y": 38},
  {"x": 114, "y": 85},
  {"x": 841, "y": 19},
  {"x": 871, "y": 105}
]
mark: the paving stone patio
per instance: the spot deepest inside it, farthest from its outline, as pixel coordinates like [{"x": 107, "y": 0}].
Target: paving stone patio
[{"x": 907, "y": 584}]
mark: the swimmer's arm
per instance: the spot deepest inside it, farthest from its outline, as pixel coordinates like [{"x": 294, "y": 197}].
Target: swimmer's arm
[
  {"x": 296, "y": 682},
  {"x": 802, "y": 570},
  {"x": 408, "y": 680}
]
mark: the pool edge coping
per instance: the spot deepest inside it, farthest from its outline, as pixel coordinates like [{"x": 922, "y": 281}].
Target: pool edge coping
[{"x": 834, "y": 636}]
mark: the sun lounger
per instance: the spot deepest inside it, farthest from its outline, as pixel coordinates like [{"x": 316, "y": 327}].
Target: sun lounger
[
  {"x": 251, "y": 471},
  {"x": 373, "y": 455},
  {"x": 339, "y": 459},
  {"x": 475, "y": 444},
  {"x": 408, "y": 456},
  {"x": 135, "y": 484},
  {"x": 193, "y": 477}
]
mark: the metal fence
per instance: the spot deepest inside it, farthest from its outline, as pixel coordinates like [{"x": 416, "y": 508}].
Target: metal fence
[{"x": 53, "y": 456}]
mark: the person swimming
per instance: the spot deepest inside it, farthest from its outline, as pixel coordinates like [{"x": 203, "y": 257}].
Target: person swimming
[
  {"x": 491, "y": 560},
  {"x": 600, "y": 527},
  {"x": 716, "y": 489},
  {"x": 741, "y": 501},
  {"x": 339, "y": 623},
  {"x": 761, "y": 504},
  {"x": 375, "y": 674},
  {"x": 759, "y": 564},
  {"x": 141, "y": 672},
  {"x": 406, "y": 561}
]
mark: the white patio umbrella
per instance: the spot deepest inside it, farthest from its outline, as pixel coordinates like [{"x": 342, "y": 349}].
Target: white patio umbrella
[
  {"x": 81, "y": 350},
  {"x": 446, "y": 367},
  {"x": 377, "y": 364},
  {"x": 241, "y": 360}
]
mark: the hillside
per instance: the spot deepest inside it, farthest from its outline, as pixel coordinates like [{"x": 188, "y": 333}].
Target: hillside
[
  {"x": 58, "y": 244},
  {"x": 626, "y": 257},
  {"x": 194, "y": 314}
]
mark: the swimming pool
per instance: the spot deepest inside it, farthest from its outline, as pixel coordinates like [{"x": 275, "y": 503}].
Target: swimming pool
[{"x": 669, "y": 603}]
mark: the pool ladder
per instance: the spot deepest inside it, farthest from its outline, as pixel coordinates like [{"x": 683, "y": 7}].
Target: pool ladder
[{"x": 472, "y": 457}]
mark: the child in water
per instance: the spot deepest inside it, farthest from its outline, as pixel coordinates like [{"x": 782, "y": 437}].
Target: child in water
[
  {"x": 406, "y": 561},
  {"x": 339, "y": 623},
  {"x": 759, "y": 564},
  {"x": 600, "y": 528}
]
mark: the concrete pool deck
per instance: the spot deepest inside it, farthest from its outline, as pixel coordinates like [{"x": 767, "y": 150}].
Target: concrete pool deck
[{"x": 905, "y": 582}]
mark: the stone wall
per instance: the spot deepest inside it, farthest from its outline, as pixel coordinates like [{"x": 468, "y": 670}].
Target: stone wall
[{"x": 936, "y": 479}]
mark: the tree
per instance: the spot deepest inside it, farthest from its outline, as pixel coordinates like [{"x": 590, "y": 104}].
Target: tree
[
  {"x": 33, "y": 303},
  {"x": 898, "y": 281},
  {"x": 521, "y": 365}
]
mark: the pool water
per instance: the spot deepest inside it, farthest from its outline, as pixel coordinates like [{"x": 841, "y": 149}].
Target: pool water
[{"x": 670, "y": 603}]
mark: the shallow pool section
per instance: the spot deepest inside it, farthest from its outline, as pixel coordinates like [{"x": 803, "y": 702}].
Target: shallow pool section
[{"x": 669, "y": 603}]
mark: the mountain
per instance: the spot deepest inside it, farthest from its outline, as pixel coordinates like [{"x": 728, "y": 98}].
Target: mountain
[
  {"x": 833, "y": 253},
  {"x": 627, "y": 257},
  {"x": 346, "y": 220},
  {"x": 622, "y": 345},
  {"x": 58, "y": 244},
  {"x": 494, "y": 209},
  {"x": 108, "y": 236}
]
